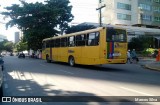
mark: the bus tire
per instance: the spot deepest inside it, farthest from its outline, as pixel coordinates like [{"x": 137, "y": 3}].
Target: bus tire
[
  {"x": 48, "y": 60},
  {"x": 71, "y": 61}
]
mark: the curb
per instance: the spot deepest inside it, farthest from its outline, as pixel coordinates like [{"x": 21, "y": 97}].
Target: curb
[{"x": 151, "y": 68}]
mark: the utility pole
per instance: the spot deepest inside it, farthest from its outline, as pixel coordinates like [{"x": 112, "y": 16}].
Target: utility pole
[{"x": 100, "y": 13}]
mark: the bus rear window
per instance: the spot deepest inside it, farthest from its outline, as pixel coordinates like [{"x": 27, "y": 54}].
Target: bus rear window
[{"x": 116, "y": 35}]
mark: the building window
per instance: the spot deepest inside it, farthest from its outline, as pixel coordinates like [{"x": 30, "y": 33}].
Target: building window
[
  {"x": 102, "y": 1},
  {"x": 156, "y": 9},
  {"x": 146, "y": 17},
  {"x": 123, "y": 6},
  {"x": 123, "y": 16},
  {"x": 145, "y": 7},
  {"x": 157, "y": 1},
  {"x": 157, "y": 19},
  {"x": 148, "y": 1}
]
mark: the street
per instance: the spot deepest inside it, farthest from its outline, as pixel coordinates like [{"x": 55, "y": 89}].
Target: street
[{"x": 35, "y": 77}]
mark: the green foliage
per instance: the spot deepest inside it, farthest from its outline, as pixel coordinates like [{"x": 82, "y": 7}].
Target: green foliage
[
  {"x": 21, "y": 46},
  {"x": 38, "y": 20},
  {"x": 79, "y": 28},
  {"x": 6, "y": 45},
  {"x": 148, "y": 51},
  {"x": 1, "y": 46},
  {"x": 140, "y": 43}
]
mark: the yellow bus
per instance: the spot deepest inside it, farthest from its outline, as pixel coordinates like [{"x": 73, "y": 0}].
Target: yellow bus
[{"x": 103, "y": 45}]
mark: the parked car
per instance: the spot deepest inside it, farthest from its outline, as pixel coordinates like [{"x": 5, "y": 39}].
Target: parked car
[
  {"x": 11, "y": 54},
  {"x": 1, "y": 62},
  {"x": 21, "y": 55}
]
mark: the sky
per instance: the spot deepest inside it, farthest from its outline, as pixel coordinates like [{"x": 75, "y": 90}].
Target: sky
[{"x": 83, "y": 11}]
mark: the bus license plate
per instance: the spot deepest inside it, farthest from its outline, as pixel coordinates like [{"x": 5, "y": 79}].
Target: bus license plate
[{"x": 116, "y": 54}]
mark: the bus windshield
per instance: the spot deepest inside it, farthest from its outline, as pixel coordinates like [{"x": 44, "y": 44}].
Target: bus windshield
[{"x": 116, "y": 35}]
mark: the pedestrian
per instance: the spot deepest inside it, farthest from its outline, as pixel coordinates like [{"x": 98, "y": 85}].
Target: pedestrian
[
  {"x": 128, "y": 57},
  {"x": 134, "y": 56}
]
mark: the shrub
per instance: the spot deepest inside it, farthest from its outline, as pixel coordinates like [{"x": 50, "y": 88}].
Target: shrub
[{"x": 149, "y": 52}]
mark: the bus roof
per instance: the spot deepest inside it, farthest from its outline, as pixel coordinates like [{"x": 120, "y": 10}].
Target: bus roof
[
  {"x": 80, "y": 32},
  {"x": 76, "y": 33}
]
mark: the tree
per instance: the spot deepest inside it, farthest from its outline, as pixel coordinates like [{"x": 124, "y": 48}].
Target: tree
[
  {"x": 141, "y": 42},
  {"x": 6, "y": 45},
  {"x": 21, "y": 46},
  {"x": 78, "y": 28},
  {"x": 38, "y": 21},
  {"x": 1, "y": 46}
]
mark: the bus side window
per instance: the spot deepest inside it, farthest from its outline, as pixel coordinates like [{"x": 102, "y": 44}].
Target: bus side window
[
  {"x": 78, "y": 38},
  {"x": 97, "y": 38},
  {"x": 86, "y": 39},
  {"x": 44, "y": 45},
  {"x": 52, "y": 43},
  {"x": 80, "y": 41},
  {"x": 91, "y": 39},
  {"x": 71, "y": 41},
  {"x": 66, "y": 42},
  {"x": 47, "y": 44},
  {"x": 83, "y": 41},
  {"x": 63, "y": 42},
  {"x": 57, "y": 43}
]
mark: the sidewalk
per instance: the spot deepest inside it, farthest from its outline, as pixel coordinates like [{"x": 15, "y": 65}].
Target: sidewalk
[
  {"x": 153, "y": 66},
  {"x": 150, "y": 63}
]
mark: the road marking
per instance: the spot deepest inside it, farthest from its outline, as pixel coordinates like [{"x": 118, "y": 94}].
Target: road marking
[
  {"x": 19, "y": 75},
  {"x": 67, "y": 72},
  {"x": 5, "y": 86},
  {"x": 15, "y": 76},
  {"x": 12, "y": 74},
  {"x": 136, "y": 91},
  {"x": 42, "y": 65},
  {"x": 22, "y": 76}
]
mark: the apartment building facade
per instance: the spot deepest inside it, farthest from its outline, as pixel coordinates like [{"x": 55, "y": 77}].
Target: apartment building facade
[
  {"x": 17, "y": 37},
  {"x": 131, "y": 12}
]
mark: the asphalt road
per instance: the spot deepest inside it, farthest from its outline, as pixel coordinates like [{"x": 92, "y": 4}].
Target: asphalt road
[{"x": 34, "y": 77}]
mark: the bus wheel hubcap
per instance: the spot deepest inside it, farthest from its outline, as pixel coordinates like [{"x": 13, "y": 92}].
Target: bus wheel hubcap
[{"x": 71, "y": 61}]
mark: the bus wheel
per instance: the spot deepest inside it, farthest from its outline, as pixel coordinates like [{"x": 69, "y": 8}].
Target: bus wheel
[
  {"x": 71, "y": 61},
  {"x": 47, "y": 58}
]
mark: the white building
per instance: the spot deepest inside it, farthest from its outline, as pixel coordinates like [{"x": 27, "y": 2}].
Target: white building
[
  {"x": 2, "y": 37},
  {"x": 16, "y": 37},
  {"x": 131, "y": 12}
]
